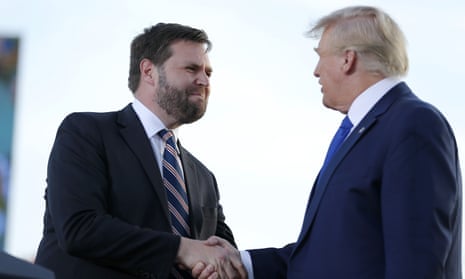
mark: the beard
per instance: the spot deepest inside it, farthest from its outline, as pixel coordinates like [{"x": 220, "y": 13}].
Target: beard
[{"x": 175, "y": 101}]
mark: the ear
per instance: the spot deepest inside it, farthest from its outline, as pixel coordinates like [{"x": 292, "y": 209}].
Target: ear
[
  {"x": 350, "y": 60},
  {"x": 148, "y": 73}
]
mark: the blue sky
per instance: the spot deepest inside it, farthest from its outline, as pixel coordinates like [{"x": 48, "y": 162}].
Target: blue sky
[{"x": 75, "y": 56}]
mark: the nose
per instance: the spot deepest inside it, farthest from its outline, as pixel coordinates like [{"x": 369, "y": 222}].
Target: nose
[
  {"x": 203, "y": 79},
  {"x": 316, "y": 71}
]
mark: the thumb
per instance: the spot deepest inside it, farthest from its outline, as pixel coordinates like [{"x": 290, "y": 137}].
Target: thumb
[{"x": 213, "y": 241}]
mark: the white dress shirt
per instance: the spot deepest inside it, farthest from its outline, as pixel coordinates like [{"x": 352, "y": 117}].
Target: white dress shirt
[
  {"x": 365, "y": 101},
  {"x": 152, "y": 125}
]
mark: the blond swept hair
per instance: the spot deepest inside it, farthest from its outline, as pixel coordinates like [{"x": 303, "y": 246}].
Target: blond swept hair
[{"x": 371, "y": 33}]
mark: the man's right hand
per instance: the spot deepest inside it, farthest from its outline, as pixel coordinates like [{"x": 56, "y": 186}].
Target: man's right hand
[{"x": 211, "y": 259}]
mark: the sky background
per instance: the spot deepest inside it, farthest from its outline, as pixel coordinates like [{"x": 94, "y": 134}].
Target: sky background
[{"x": 74, "y": 56}]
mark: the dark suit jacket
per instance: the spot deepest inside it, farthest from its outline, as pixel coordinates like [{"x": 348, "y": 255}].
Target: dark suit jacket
[
  {"x": 388, "y": 205},
  {"x": 15, "y": 268},
  {"x": 106, "y": 210}
]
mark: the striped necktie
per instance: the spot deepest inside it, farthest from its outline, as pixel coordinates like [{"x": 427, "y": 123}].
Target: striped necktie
[{"x": 175, "y": 187}]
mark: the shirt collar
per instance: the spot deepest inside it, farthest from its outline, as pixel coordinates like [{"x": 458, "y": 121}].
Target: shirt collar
[
  {"x": 151, "y": 123},
  {"x": 365, "y": 101}
]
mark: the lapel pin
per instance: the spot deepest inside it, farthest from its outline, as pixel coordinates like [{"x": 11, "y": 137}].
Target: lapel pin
[{"x": 361, "y": 130}]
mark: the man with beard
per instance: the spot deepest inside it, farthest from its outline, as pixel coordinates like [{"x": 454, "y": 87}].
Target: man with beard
[{"x": 124, "y": 199}]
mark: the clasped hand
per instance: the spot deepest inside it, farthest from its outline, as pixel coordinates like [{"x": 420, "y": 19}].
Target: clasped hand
[{"x": 214, "y": 258}]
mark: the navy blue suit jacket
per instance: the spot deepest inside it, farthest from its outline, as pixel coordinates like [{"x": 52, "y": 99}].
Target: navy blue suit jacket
[
  {"x": 388, "y": 205},
  {"x": 106, "y": 208}
]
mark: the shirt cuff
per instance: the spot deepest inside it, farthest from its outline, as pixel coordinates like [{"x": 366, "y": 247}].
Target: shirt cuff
[{"x": 247, "y": 262}]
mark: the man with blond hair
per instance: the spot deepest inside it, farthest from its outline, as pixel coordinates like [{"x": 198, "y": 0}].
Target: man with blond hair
[{"x": 387, "y": 202}]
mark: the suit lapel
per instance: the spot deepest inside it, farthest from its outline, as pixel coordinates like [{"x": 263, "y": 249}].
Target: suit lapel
[
  {"x": 321, "y": 181},
  {"x": 362, "y": 128},
  {"x": 133, "y": 133}
]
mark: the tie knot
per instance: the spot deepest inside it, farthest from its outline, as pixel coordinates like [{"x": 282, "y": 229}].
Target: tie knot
[
  {"x": 346, "y": 124},
  {"x": 166, "y": 135},
  {"x": 168, "y": 138}
]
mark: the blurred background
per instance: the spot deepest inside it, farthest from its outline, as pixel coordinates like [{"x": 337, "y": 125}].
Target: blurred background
[{"x": 74, "y": 56}]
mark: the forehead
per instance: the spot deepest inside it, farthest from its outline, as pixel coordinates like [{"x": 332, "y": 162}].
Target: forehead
[
  {"x": 189, "y": 52},
  {"x": 324, "y": 40},
  {"x": 326, "y": 45}
]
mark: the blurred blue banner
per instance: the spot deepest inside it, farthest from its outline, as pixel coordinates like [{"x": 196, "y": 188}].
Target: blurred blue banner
[{"x": 8, "y": 70}]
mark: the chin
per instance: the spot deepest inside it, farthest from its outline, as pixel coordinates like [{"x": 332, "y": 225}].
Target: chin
[{"x": 329, "y": 106}]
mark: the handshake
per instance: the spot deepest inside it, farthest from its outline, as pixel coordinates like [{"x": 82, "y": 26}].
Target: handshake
[{"x": 214, "y": 258}]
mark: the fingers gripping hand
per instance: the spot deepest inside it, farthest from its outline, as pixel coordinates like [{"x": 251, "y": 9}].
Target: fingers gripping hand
[
  {"x": 230, "y": 263},
  {"x": 208, "y": 261},
  {"x": 203, "y": 271}
]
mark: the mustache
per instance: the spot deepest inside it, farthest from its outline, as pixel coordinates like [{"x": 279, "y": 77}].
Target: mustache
[{"x": 196, "y": 90}]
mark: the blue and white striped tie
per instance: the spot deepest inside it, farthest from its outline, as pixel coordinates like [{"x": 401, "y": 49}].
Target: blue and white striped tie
[{"x": 175, "y": 187}]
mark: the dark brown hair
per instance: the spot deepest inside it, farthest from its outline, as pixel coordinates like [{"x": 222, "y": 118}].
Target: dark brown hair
[{"x": 154, "y": 44}]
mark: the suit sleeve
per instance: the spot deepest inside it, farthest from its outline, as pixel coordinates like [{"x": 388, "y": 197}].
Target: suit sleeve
[
  {"x": 271, "y": 263},
  {"x": 420, "y": 198},
  {"x": 77, "y": 201}
]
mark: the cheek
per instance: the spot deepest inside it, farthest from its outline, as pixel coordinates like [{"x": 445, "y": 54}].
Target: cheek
[
  {"x": 326, "y": 69},
  {"x": 326, "y": 76},
  {"x": 331, "y": 73},
  {"x": 330, "y": 85}
]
